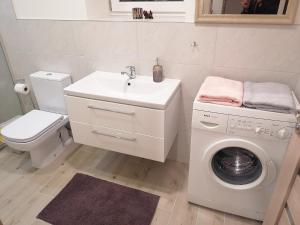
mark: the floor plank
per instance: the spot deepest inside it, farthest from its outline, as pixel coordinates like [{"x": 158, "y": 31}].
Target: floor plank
[{"x": 209, "y": 217}]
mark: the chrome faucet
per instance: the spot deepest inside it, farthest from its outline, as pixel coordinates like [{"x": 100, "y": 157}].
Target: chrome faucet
[{"x": 132, "y": 74}]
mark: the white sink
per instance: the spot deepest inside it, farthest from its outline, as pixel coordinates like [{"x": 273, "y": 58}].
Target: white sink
[{"x": 115, "y": 87}]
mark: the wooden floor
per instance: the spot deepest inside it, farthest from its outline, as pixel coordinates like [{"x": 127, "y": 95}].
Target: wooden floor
[{"x": 25, "y": 191}]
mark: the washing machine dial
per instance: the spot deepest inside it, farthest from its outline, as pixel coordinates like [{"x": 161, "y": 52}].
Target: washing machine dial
[{"x": 283, "y": 133}]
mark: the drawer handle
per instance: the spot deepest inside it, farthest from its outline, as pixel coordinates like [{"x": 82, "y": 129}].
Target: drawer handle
[
  {"x": 114, "y": 136},
  {"x": 112, "y": 110}
]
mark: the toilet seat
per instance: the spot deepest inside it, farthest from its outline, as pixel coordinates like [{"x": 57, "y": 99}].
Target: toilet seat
[{"x": 30, "y": 126}]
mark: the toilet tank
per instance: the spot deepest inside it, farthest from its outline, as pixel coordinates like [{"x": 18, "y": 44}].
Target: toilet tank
[{"x": 48, "y": 89}]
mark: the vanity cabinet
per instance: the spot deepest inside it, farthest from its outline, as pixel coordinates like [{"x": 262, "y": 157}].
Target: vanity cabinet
[
  {"x": 293, "y": 201},
  {"x": 284, "y": 207},
  {"x": 291, "y": 212},
  {"x": 139, "y": 131}
]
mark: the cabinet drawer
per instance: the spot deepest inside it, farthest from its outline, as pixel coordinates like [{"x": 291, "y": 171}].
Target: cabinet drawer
[
  {"x": 116, "y": 116},
  {"x": 294, "y": 201},
  {"x": 119, "y": 141}
]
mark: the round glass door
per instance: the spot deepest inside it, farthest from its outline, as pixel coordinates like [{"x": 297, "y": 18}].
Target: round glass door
[{"x": 237, "y": 166}]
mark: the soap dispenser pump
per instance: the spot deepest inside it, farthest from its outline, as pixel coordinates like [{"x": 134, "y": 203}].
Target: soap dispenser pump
[{"x": 157, "y": 72}]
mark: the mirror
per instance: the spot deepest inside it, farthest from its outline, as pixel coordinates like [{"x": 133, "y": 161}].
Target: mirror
[
  {"x": 106, "y": 10},
  {"x": 246, "y": 11}
]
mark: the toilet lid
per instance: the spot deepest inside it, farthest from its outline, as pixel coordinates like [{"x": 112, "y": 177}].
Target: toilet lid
[{"x": 30, "y": 126}]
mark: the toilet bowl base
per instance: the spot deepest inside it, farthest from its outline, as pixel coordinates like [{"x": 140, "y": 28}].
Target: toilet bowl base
[
  {"x": 51, "y": 150},
  {"x": 54, "y": 157},
  {"x": 54, "y": 149}
]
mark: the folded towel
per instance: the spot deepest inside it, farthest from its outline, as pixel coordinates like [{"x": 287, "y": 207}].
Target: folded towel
[
  {"x": 269, "y": 96},
  {"x": 221, "y": 91}
]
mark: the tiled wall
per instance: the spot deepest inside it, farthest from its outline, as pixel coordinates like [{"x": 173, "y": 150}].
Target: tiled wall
[{"x": 252, "y": 52}]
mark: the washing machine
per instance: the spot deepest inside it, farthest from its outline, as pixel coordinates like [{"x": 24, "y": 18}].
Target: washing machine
[{"x": 236, "y": 154}]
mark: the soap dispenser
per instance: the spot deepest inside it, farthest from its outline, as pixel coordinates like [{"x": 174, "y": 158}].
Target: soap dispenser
[{"x": 157, "y": 72}]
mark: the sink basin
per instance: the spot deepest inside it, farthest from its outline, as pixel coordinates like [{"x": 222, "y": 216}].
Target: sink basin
[{"x": 115, "y": 87}]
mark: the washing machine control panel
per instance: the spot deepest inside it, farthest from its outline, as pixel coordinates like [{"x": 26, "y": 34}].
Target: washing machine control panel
[{"x": 252, "y": 127}]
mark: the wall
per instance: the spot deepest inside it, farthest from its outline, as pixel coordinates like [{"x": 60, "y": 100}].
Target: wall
[
  {"x": 9, "y": 102},
  {"x": 243, "y": 52}
]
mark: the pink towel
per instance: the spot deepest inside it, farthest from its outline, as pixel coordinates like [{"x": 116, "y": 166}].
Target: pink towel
[{"x": 221, "y": 91}]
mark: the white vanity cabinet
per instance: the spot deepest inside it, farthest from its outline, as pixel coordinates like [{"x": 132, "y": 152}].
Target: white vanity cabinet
[{"x": 139, "y": 131}]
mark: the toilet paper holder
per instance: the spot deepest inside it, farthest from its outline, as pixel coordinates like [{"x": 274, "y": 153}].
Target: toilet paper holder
[
  {"x": 23, "y": 86},
  {"x": 26, "y": 101},
  {"x": 19, "y": 81}
]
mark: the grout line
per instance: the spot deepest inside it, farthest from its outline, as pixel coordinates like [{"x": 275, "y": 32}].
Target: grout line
[
  {"x": 213, "y": 66},
  {"x": 138, "y": 45},
  {"x": 215, "y": 47},
  {"x": 257, "y": 69}
]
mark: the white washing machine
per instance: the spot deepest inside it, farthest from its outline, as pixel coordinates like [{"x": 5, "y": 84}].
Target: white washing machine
[{"x": 236, "y": 154}]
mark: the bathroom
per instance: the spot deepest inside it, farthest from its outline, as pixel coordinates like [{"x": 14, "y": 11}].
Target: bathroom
[{"x": 79, "y": 41}]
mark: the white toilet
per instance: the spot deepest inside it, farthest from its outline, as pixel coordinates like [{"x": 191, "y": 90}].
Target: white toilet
[{"x": 43, "y": 132}]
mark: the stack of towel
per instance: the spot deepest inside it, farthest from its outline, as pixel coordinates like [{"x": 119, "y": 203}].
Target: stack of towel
[
  {"x": 221, "y": 91},
  {"x": 268, "y": 96}
]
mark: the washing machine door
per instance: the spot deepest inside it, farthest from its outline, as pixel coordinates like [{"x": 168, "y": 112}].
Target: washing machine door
[{"x": 239, "y": 164}]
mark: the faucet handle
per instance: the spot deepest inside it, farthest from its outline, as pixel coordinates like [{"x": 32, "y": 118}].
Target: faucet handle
[
  {"x": 132, "y": 73},
  {"x": 131, "y": 68}
]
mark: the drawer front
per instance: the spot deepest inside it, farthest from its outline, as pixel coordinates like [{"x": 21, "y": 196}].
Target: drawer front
[
  {"x": 119, "y": 141},
  {"x": 284, "y": 219},
  {"x": 116, "y": 116},
  {"x": 294, "y": 201}
]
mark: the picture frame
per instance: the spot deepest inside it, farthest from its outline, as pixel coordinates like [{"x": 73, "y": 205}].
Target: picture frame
[{"x": 203, "y": 15}]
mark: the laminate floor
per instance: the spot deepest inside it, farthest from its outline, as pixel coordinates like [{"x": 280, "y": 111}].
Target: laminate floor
[{"x": 25, "y": 191}]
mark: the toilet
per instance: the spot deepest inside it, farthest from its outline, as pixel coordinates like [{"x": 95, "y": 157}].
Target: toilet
[{"x": 43, "y": 133}]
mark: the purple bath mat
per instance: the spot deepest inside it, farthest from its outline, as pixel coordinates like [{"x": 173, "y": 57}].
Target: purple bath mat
[{"x": 90, "y": 201}]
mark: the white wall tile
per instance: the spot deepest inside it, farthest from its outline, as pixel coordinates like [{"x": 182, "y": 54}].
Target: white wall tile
[
  {"x": 105, "y": 41},
  {"x": 87, "y": 65},
  {"x": 25, "y": 64},
  {"x": 274, "y": 48},
  {"x": 40, "y": 37},
  {"x": 171, "y": 42}
]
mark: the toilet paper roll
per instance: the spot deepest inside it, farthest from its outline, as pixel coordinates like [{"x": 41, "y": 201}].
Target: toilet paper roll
[{"x": 22, "y": 89}]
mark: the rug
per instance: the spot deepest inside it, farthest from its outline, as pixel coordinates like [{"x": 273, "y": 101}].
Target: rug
[{"x": 86, "y": 200}]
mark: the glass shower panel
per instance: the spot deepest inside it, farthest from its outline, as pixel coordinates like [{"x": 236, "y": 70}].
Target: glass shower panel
[{"x": 9, "y": 101}]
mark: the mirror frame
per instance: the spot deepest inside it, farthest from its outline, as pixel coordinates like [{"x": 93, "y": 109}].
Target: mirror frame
[{"x": 201, "y": 17}]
